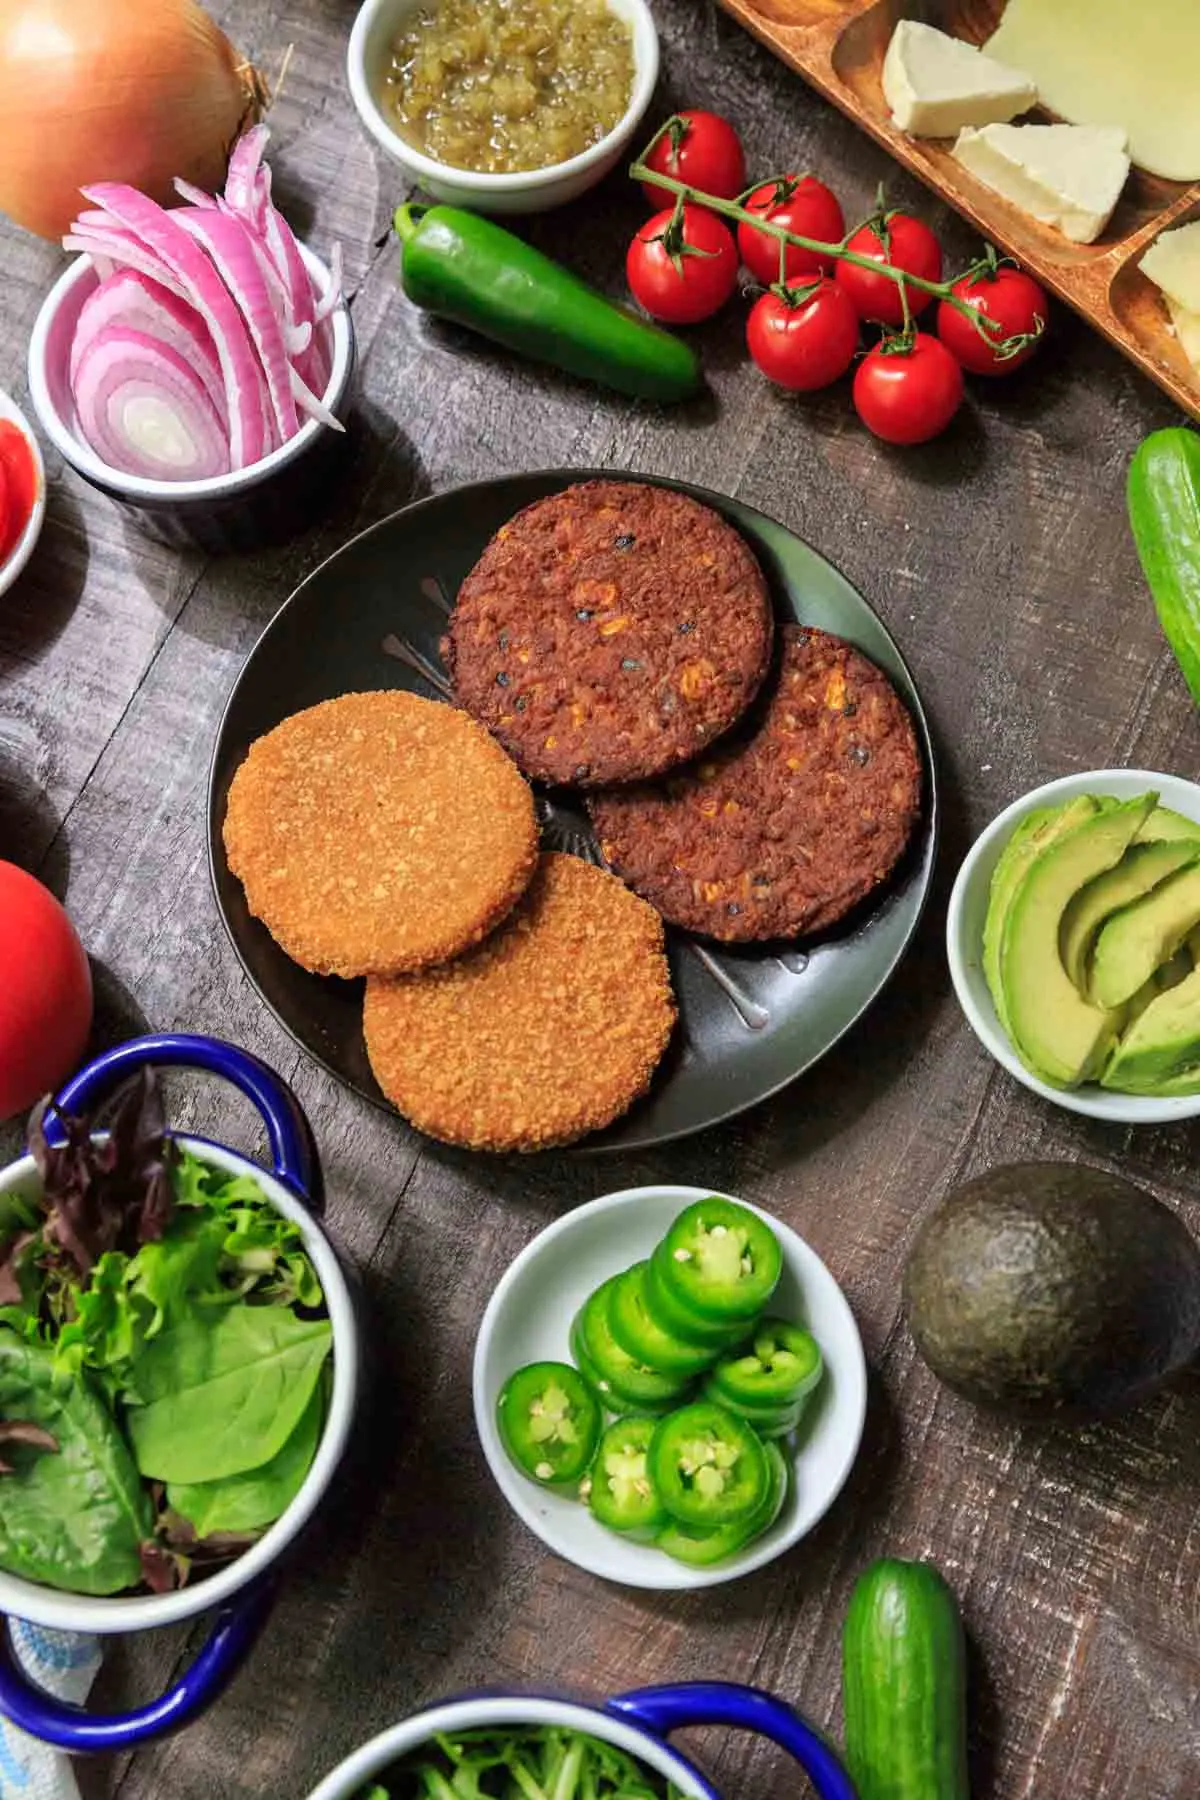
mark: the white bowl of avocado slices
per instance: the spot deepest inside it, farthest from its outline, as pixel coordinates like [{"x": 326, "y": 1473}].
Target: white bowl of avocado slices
[{"x": 1073, "y": 936}]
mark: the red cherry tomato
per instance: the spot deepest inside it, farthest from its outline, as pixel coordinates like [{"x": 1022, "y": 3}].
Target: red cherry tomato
[
  {"x": 20, "y": 485},
  {"x": 908, "y": 396},
  {"x": 691, "y": 285},
  {"x": 807, "y": 346},
  {"x": 706, "y": 153},
  {"x": 801, "y": 204},
  {"x": 910, "y": 246},
  {"x": 45, "y": 992},
  {"x": 1014, "y": 305}
]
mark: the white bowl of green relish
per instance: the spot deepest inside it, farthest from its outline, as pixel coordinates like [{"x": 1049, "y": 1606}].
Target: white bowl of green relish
[{"x": 369, "y": 64}]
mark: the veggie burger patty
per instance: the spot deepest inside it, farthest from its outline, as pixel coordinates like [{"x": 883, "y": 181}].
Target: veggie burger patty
[
  {"x": 610, "y": 632},
  {"x": 549, "y": 1029},
  {"x": 784, "y": 830},
  {"x": 379, "y": 832}
]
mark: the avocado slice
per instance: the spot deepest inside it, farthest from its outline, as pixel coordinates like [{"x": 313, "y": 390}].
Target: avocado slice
[
  {"x": 1163, "y": 823},
  {"x": 1160, "y": 1051},
  {"x": 1037, "y": 829},
  {"x": 1141, "y": 869},
  {"x": 1162, "y": 980},
  {"x": 1141, "y": 937},
  {"x": 1056, "y": 1031}
]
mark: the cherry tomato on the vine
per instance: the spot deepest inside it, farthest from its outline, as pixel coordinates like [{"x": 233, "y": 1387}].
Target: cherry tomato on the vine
[
  {"x": 804, "y": 346},
  {"x": 904, "y": 242},
  {"x": 906, "y": 396},
  {"x": 1013, "y": 305},
  {"x": 799, "y": 203},
  {"x": 705, "y": 152},
  {"x": 682, "y": 283}
]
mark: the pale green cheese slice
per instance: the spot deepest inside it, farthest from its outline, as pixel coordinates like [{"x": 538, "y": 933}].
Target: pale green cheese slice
[
  {"x": 1173, "y": 261},
  {"x": 1130, "y": 63}
]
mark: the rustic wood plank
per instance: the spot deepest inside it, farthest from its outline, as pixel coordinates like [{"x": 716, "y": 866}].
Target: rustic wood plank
[{"x": 1000, "y": 559}]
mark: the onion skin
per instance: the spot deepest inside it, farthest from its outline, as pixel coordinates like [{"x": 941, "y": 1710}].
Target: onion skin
[{"x": 136, "y": 91}]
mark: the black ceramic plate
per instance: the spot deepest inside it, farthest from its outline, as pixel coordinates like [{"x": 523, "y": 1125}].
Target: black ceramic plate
[{"x": 752, "y": 1019}]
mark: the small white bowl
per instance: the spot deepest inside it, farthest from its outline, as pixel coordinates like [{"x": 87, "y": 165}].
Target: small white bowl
[
  {"x": 528, "y": 1319},
  {"x": 964, "y": 940},
  {"x": 22, "y": 550},
  {"x": 271, "y": 499},
  {"x": 529, "y": 190}
]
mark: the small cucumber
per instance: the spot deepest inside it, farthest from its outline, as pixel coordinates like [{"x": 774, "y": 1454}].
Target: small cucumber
[
  {"x": 904, "y": 1685},
  {"x": 1164, "y": 511}
]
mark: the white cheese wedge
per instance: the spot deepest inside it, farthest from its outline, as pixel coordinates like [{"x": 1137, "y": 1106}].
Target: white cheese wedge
[
  {"x": 1070, "y": 176},
  {"x": 1187, "y": 330},
  {"x": 936, "y": 85},
  {"x": 1133, "y": 63},
  {"x": 1173, "y": 263}
]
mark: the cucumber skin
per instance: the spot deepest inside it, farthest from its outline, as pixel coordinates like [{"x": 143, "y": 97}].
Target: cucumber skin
[
  {"x": 1164, "y": 511},
  {"x": 904, "y": 1685}
]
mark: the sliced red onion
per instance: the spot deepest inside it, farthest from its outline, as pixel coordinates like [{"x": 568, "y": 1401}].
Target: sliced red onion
[
  {"x": 195, "y": 196},
  {"x": 232, "y": 250},
  {"x": 119, "y": 247},
  {"x": 136, "y": 300},
  {"x": 207, "y": 293},
  {"x": 308, "y": 402},
  {"x": 244, "y": 162},
  {"x": 144, "y": 409}
]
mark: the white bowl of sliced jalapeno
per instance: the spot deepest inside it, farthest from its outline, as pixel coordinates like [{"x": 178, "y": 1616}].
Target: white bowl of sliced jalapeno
[{"x": 669, "y": 1387}]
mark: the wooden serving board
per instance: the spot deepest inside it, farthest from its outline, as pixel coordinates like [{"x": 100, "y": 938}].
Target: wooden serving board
[{"x": 839, "y": 45}]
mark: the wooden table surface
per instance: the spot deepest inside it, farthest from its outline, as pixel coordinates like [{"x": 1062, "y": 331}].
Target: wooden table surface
[{"x": 1001, "y": 560}]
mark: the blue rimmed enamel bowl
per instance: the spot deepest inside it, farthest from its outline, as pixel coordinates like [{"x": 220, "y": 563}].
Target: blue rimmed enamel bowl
[
  {"x": 639, "y": 1723},
  {"x": 238, "y": 1594}
]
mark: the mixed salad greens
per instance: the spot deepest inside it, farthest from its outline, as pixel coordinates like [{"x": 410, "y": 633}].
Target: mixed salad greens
[
  {"x": 524, "y": 1762},
  {"x": 164, "y": 1359}
]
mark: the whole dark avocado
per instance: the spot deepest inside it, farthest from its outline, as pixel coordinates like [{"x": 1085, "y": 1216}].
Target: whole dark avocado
[{"x": 1054, "y": 1291}]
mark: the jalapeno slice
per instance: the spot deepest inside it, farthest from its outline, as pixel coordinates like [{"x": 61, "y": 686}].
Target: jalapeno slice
[
  {"x": 602, "y": 1387},
  {"x": 781, "y": 1363},
  {"x": 674, "y": 1316},
  {"x": 720, "y": 1260},
  {"x": 767, "y": 1421},
  {"x": 701, "y": 1549},
  {"x": 631, "y": 1381},
  {"x": 618, "y": 1488},
  {"x": 549, "y": 1422},
  {"x": 708, "y": 1465},
  {"x": 639, "y": 1333}
]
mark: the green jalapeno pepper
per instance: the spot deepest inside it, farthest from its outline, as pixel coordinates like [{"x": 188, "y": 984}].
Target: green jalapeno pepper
[
  {"x": 549, "y": 1422},
  {"x": 720, "y": 1261},
  {"x": 471, "y": 270},
  {"x": 767, "y": 1421},
  {"x": 779, "y": 1364},
  {"x": 708, "y": 1465},
  {"x": 618, "y": 1488},
  {"x": 632, "y": 1385},
  {"x": 700, "y": 1549},
  {"x": 638, "y": 1331},
  {"x": 671, "y": 1315}
]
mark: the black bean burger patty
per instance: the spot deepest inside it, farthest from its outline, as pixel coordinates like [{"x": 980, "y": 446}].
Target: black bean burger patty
[
  {"x": 781, "y": 832},
  {"x": 610, "y": 632}
]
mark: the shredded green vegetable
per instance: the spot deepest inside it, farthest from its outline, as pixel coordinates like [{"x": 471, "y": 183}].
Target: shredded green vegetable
[{"x": 528, "y": 1762}]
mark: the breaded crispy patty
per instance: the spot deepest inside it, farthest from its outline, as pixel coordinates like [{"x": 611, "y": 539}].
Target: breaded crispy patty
[
  {"x": 550, "y": 1029},
  {"x": 781, "y": 832},
  {"x": 379, "y": 832},
  {"x": 610, "y": 632}
]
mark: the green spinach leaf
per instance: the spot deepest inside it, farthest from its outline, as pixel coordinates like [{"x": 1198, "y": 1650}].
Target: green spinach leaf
[
  {"x": 221, "y": 1392},
  {"x": 249, "y": 1501},
  {"x": 72, "y": 1518}
]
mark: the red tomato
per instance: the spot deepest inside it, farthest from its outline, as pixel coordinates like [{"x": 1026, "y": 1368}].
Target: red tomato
[
  {"x": 45, "y": 992},
  {"x": 706, "y": 153},
  {"x": 1015, "y": 306},
  {"x": 807, "y": 346},
  {"x": 801, "y": 204},
  {"x": 910, "y": 246},
  {"x": 707, "y": 268},
  {"x": 20, "y": 485},
  {"x": 908, "y": 396}
]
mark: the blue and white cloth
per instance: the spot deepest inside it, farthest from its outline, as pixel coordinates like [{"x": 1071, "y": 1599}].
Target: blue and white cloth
[{"x": 65, "y": 1663}]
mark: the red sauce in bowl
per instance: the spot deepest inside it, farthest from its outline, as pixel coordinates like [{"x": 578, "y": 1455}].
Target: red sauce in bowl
[{"x": 18, "y": 486}]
